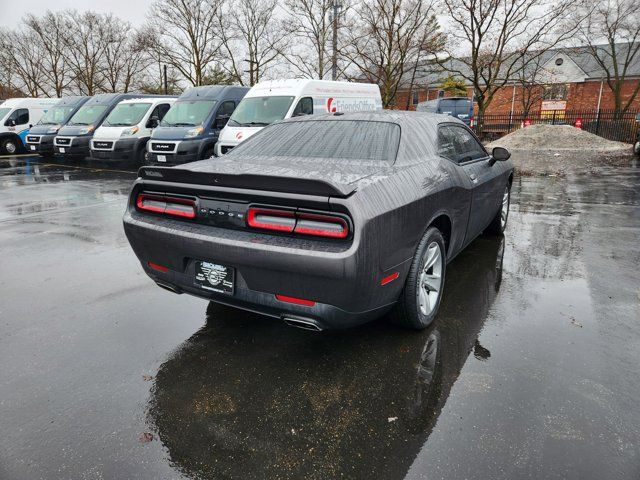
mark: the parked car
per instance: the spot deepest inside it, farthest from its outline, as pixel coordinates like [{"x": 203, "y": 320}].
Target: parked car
[
  {"x": 190, "y": 129},
  {"x": 274, "y": 100},
  {"x": 636, "y": 146},
  {"x": 323, "y": 221},
  {"x": 74, "y": 138},
  {"x": 41, "y": 135},
  {"x": 17, "y": 116},
  {"x": 125, "y": 132},
  {"x": 458, "y": 107}
]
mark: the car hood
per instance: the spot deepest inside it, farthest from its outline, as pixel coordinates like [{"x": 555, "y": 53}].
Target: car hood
[
  {"x": 40, "y": 130},
  {"x": 234, "y": 135},
  {"x": 342, "y": 172},
  {"x": 171, "y": 133},
  {"x": 74, "y": 131}
]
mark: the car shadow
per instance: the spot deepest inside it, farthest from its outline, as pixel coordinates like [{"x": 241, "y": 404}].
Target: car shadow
[{"x": 248, "y": 397}]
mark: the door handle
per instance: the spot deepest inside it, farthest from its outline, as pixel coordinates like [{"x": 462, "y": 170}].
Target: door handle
[{"x": 473, "y": 177}]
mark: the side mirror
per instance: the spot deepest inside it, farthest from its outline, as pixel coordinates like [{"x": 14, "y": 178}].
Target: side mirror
[
  {"x": 10, "y": 123},
  {"x": 221, "y": 121},
  {"x": 499, "y": 154},
  {"x": 153, "y": 122}
]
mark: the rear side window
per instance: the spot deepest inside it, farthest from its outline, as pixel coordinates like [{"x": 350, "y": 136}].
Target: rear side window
[
  {"x": 458, "y": 144},
  {"x": 330, "y": 139}
]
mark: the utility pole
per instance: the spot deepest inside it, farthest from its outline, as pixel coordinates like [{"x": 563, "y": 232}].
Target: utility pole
[{"x": 334, "y": 59}]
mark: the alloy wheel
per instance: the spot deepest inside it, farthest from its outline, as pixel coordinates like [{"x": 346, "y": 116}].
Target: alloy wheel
[{"x": 430, "y": 283}]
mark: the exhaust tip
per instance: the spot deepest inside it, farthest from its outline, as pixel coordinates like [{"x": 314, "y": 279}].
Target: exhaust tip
[
  {"x": 171, "y": 288},
  {"x": 303, "y": 323}
]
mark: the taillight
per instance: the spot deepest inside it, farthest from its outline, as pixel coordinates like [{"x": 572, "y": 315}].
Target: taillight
[
  {"x": 168, "y": 205},
  {"x": 278, "y": 220},
  {"x": 303, "y": 223}
]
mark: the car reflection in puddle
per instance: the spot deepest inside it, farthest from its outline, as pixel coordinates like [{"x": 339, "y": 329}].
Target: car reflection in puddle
[{"x": 247, "y": 397}]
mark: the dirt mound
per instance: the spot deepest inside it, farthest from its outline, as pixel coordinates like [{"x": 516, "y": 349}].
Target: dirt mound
[{"x": 557, "y": 138}]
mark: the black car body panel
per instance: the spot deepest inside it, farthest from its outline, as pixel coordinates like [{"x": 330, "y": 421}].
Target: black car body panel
[
  {"x": 388, "y": 207},
  {"x": 40, "y": 136}
]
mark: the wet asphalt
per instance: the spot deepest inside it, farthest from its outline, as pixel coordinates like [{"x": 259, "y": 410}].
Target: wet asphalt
[{"x": 529, "y": 371}]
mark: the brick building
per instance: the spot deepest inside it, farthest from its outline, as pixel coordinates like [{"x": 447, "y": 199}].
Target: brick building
[{"x": 563, "y": 79}]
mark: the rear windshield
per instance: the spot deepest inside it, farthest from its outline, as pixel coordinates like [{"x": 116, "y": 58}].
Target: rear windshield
[
  {"x": 459, "y": 105},
  {"x": 56, "y": 115},
  {"x": 126, "y": 114},
  {"x": 88, "y": 114},
  {"x": 330, "y": 139}
]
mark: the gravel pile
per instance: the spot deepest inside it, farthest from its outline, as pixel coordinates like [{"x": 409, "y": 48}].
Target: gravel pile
[{"x": 553, "y": 149}]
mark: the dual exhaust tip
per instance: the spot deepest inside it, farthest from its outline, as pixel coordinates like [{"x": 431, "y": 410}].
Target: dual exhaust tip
[{"x": 298, "y": 322}]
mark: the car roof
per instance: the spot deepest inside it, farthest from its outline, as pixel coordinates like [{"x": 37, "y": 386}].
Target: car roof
[{"x": 213, "y": 92}]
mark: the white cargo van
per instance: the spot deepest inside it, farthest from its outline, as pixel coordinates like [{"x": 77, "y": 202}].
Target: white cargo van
[
  {"x": 17, "y": 116},
  {"x": 274, "y": 100},
  {"x": 124, "y": 134}
]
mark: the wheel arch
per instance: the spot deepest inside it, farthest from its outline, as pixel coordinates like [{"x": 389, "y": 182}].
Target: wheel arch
[{"x": 443, "y": 223}]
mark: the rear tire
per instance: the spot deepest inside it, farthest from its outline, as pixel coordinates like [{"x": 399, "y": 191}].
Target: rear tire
[
  {"x": 207, "y": 153},
  {"x": 499, "y": 222},
  {"x": 422, "y": 292}
]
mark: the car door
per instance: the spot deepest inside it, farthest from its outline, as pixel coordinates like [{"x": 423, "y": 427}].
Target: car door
[{"x": 473, "y": 159}]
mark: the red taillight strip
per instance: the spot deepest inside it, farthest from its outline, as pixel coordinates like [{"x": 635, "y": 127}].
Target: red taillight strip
[
  {"x": 258, "y": 218},
  {"x": 297, "y": 301},
  {"x": 311, "y": 229},
  {"x": 304, "y": 223},
  {"x": 389, "y": 278},
  {"x": 178, "y": 207},
  {"x": 157, "y": 267}
]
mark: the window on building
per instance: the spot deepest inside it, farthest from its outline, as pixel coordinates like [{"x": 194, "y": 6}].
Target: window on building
[
  {"x": 415, "y": 97},
  {"x": 557, "y": 91}
]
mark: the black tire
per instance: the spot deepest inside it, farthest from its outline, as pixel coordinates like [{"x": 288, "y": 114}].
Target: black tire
[
  {"x": 497, "y": 226},
  {"x": 407, "y": 311},
  {"x": 9, "y": 147},
  {"x": 207, "y": 153}
]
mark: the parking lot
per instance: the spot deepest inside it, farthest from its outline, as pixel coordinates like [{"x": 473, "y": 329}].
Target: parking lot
[{"x": 529, "y": 371}]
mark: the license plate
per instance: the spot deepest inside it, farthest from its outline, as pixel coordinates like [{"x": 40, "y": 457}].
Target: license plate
[
  {"x": 162, "y": 158},
  {"x": 61, "y": 150},
  {"x": 214, "y": 277}
]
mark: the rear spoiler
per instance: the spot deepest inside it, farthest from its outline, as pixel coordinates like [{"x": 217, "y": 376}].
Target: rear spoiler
[{"x": 304, "y": 186}]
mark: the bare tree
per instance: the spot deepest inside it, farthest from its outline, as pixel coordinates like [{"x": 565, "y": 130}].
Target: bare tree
[
  {"x": 23, "y": 57},
  {"x": 616, "y": 23},
  {"x": 186, "y": 36},
  {"x": 308, "y": 22},
  {"x": 252, "y": 38},
  {"x": 48, "y": 32},
  {"x": 386, "y": 42},
  {"x": 501, "y": 36},
  {"x": 125, "y": 56},
  {"x": 86, "y": 40}
]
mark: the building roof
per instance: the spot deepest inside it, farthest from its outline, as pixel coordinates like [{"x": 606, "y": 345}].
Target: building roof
[{"x": 586, "y": 66}]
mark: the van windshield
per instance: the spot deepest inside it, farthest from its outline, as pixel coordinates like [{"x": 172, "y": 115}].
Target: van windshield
[
  {"x": 3, "y": 112},
  {"x": 87, "y": 115},
  {"x": 126, "y": 114},
  {"x": 325, "y": 139},
  {"x": 56, "y": 115},
  {"x": 260, "y": 111},
  {"x": 188, "y": 113}
]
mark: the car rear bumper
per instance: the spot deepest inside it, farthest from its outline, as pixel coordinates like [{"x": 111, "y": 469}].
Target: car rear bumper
[{"x": 343, "y": 289}]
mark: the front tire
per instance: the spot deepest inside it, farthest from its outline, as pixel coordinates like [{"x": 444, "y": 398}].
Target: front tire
[
  {"x": 9, "y": 146},
  {"x": 420, "y": 298}
]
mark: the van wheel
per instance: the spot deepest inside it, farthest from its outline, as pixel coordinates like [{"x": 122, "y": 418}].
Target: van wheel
[
  {"x": 420, "y": 298},
  {"x": 9, "y": 146},
  {"x": 207, "y": 153}
]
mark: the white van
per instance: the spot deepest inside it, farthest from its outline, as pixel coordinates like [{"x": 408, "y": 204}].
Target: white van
[
  {"x": 274, "y": 100},
  {"x": 124, "y": 134},
  {"x": 17, "y": 116}
]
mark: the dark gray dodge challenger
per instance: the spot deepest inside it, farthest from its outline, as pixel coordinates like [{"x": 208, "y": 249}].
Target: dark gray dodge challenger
[{"x": 323, "y": 221}]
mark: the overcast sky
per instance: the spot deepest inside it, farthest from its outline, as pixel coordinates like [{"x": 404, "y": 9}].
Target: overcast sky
[{"x": 11, "y": 11}]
